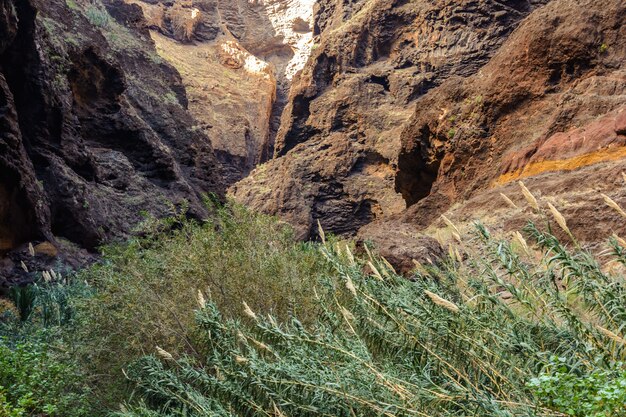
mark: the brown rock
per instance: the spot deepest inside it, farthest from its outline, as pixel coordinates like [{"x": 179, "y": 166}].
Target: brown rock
[
  {"x": 46, "y": 248},
  {"x": 496, "y": 92},
  {"x": 401, "y": 246},
  {"x": 94, "y": 128}
]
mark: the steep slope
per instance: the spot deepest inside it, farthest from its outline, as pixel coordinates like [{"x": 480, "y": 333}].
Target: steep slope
[
  {"x": 338, "y": 145},
  {"x": 94, "y": 127},
  {"x": 430, "y": 104},
  {"x": 236, "y": 59}
]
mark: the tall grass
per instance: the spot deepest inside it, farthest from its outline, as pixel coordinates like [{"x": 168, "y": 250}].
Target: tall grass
[
  {"x": 233, "y": 317},
  {"x": 496, "y": 329}
]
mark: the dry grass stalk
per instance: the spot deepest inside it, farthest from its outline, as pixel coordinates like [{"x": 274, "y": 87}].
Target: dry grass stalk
[
  {"x": 277, "y": 411},
  {"x": 320, "y": 230},
  {"x": 24, "y": 267},
  {"x": 248, "y": 311},
  {"x": 611, "y": 203},
  {"x": 448, "y": 305},
  {"x": 560, "y": 220},
  {"x": 530, "y": 198},
  {"x": 46, "y": 276},
  {"x": 450, "y": 224},
  {"x": 164, "y": 354},
  {"x": 508, "y": 201},
  {"x": 374, "y": 270},
  {"x": 614, "y": 337},
  {"x": 31, "y": 249},
  {"x": 619, "y": 240}
]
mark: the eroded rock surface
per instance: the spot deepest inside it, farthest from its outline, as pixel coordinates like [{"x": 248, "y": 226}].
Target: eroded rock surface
[
  {"x": 94, "y": 127},
  {"x": 408, "y": 110},
  {"x": 236, "y": 59}
]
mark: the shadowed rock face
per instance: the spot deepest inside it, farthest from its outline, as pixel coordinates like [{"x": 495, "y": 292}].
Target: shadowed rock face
[
  {"x": 93, "y": 127},
  {"x": 408, "y": 110}
]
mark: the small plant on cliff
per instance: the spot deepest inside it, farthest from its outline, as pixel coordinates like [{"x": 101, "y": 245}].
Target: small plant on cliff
[{"x": 98, "y": 16}]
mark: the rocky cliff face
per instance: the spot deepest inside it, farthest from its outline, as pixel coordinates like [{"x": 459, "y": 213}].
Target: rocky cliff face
[
  {"x": 94, "y": 127},
  {"x": 409, "y": 109},
  {"x": 236, "y": 59}
]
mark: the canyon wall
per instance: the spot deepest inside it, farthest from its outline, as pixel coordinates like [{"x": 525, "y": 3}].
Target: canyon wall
[
  {"x": 94, "y": 128},
  {"x": 237, "y": 60},
  {"x": 411, "y": 109}
]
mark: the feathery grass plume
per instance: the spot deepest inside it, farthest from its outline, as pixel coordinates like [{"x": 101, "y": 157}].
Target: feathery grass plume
[
  {"x": 530, "y": 198},
  {"x": 46, "y": 276},
  {"x": 448, "y": 305},
  {"x": 31, "y": 249},
  {"x": 54, "y": 275},
  {"x": 611, "y": 203},
  {"x": 457, "y": 237},
  {"x": 164, "y": 354},
  {"x": 560, "y": 220},
  {"x": 241, "y": 360},
  {"x": 420, "y": 268},
  {"x": 320, "y": 230},
  {"x": 350, "y": 286},
  {"x": 508, "y": 201},
  {"x": 374, "y": 270},
  {"x": 450, "y": 224},
  {"x": 614, "y": 337},
  {"x": 260, "y": 344},
  {"x": 200, "y": 299},
  {"x": 248, "y": 311},
  {"x": 369, "y": 253},
  {"x": 520, "y": 239},
  {"x": 24, "y": 267},
  {"x": 439, "y": 237},
  {"x": 388, "y": 265}
]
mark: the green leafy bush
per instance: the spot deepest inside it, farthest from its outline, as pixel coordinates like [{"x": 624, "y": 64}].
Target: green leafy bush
[
  {"x": 146, "y": 288},
  {"x": 587, "y": 393},
  {"x": 36, "y": 381}
]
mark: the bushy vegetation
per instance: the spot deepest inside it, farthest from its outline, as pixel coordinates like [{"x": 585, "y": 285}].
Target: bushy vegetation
[
  {"x": 234, "y": 318},
  {"x": 146, "y": 288}
]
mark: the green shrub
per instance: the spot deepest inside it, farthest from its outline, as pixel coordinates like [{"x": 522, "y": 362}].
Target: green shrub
[
  {"x": 468, "y": 337},
  {"x": 147, "y": 288},
  {"x": 98, "y": 16},
  {"x": 582, "y": 393},
  {"x": 36, "y": 381}
]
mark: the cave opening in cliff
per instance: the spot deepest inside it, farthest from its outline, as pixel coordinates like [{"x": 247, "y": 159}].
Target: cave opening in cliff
[{"x": 418, "y": 167}]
